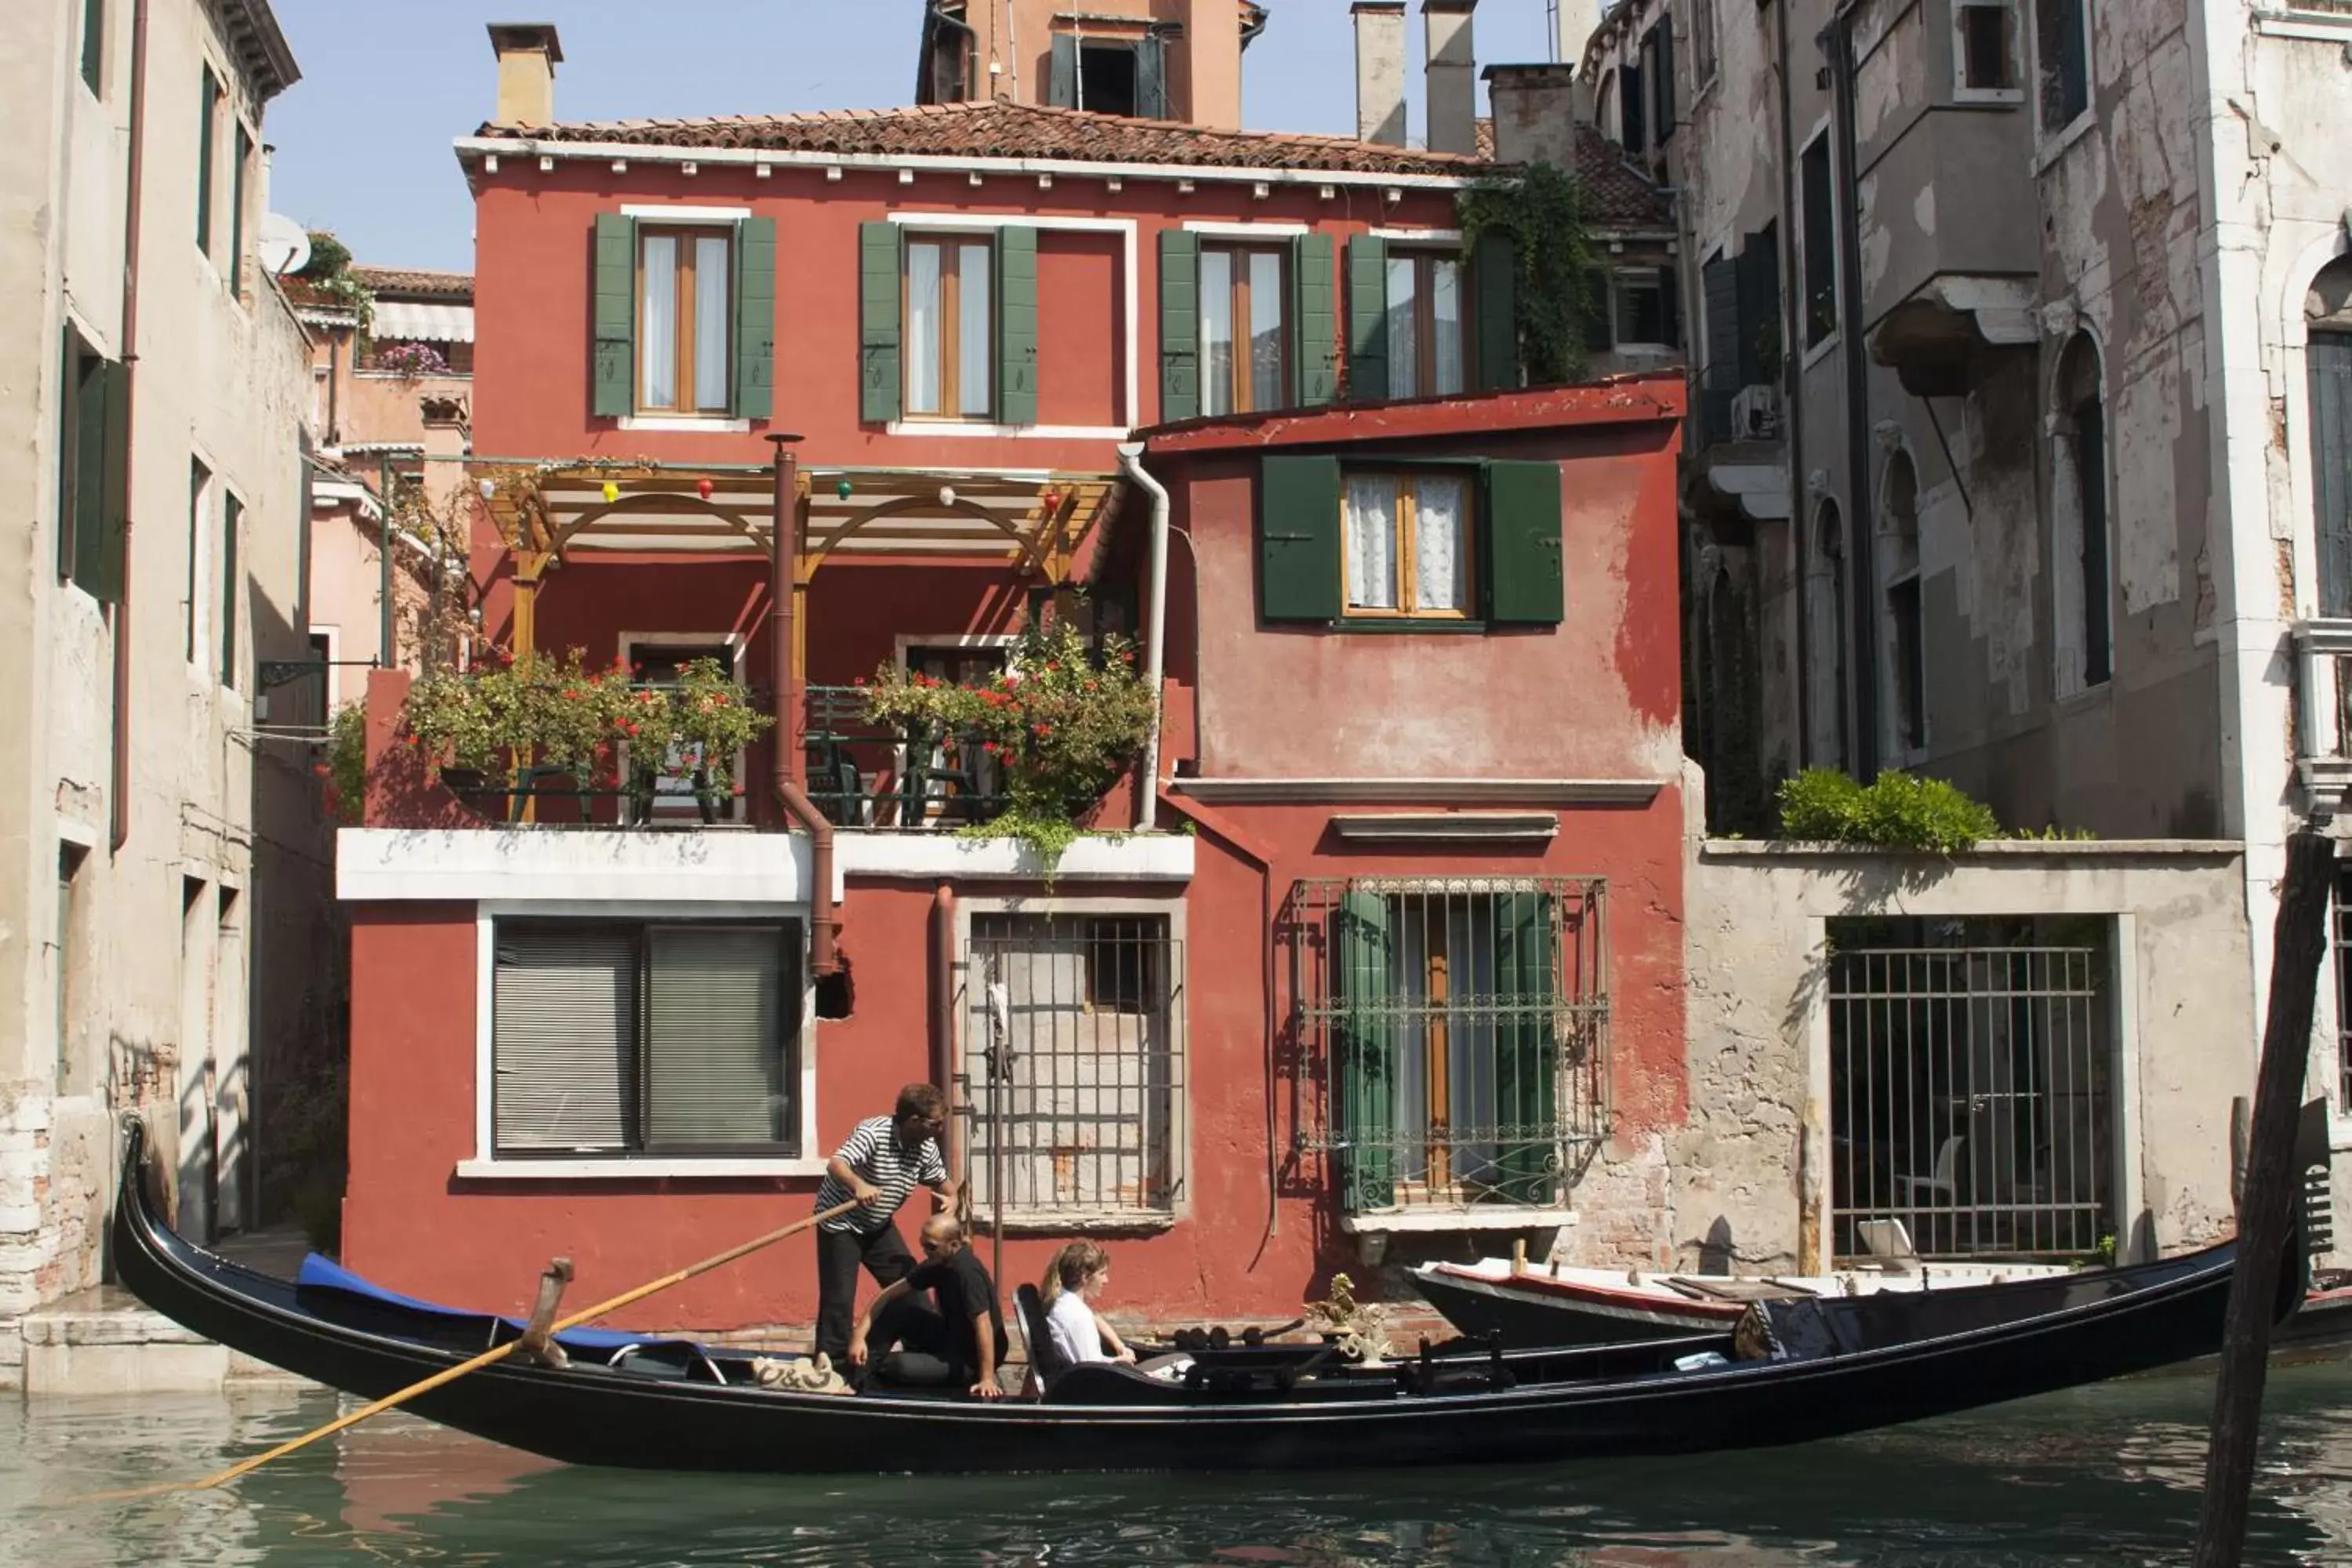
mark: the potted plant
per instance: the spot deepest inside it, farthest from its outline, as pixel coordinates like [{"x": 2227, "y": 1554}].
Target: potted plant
[
  {"x": 710, "y": 719},
  {"x": 1064, "y": 720}
]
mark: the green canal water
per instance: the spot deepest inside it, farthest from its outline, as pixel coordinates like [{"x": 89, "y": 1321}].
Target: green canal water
[{"x": 2105, "y": 1475}]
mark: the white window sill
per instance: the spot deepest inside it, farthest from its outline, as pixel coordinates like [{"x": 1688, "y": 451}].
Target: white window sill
[
  {"x": 685, "y": 424},
  {"x": 421, "y": 375},
  {"x": 1484, "y": 1217},
  {"x": 1988, "y": 97},
  {"x": 631, "y": 1169},
  {"x": 1087, "y": 1222},
  {"x": 2052, "y": 147},
  {"x": 973, "y": 428}
]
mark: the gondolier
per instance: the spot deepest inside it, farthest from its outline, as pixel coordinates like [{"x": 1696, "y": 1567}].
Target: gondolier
[{"x": 880, "y": 1162}]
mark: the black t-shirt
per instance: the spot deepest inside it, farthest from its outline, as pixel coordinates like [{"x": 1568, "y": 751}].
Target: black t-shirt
[{"x": 961, "y": 1287}]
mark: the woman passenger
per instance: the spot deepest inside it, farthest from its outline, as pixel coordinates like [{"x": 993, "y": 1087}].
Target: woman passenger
[{"x": 1074, "y": 1281}]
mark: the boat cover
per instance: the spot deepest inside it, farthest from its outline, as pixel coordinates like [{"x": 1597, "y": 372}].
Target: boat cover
[{"x": 319, "y": 1273}]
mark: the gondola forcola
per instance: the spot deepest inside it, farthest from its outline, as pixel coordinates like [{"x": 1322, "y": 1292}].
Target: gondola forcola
[{"x": 1830, "y": 1367}]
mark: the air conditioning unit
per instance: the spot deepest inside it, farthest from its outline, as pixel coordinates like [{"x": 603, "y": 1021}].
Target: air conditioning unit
[{"x": 1755, "y": 414}]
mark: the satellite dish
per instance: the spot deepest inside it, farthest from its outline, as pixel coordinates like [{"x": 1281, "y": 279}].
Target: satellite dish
[{"x": 285, "y": 248}]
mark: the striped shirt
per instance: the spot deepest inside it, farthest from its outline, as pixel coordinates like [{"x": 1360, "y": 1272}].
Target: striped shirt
[{"x": 872, "y": 1150}]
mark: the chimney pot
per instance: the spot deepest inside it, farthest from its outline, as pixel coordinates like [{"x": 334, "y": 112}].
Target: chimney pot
[
  {"x": 1535, "y": 113},
  {"x": 1379, "y": 70},
  {"x": 1452, "y": 76},
  {"x": 528, "y": 55}
]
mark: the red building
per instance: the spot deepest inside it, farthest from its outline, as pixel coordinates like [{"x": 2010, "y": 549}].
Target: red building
[{"x": 1384, "y": 936}]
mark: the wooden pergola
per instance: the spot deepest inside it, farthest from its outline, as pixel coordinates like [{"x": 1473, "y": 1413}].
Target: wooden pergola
[{"x": 1034, "y": 522}]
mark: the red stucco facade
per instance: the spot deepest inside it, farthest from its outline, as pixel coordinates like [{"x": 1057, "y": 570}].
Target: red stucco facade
[{"x": 1527, "y": 712}]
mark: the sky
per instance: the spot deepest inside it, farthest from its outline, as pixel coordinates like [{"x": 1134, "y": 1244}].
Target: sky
[{"x": 361, "y": 143}]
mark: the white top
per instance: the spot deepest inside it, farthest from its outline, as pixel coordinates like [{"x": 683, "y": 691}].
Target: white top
[{"x": 1071, "y": 1322}]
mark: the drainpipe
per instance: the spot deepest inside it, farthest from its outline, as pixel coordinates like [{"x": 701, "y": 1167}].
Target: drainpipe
[
  {"x": 119, "y": 786},
  {"x": 785, "y": 538},
  {"x": 1155, "y": 668},
  {"x": 1792, "y": 327},
  {"x": 943, "y": 932},
  {"x": 1861, "y": 529}
]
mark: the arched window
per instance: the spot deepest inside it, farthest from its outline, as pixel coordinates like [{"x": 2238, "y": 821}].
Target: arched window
[
  {"x": 1906, "y": 663},
  {"x": 1826, "y": 614},
  {"x": 2327, "y": 311},
  {"x": 2082, "y": 574}
]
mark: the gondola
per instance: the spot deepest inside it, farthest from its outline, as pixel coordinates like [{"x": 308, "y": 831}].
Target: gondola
[{"x": 1826, "y": 1368}]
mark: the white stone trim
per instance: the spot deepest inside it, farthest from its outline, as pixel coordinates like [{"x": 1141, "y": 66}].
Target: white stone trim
[
  {"x": 933, "y": 857},
  {"x": 1423, "y": 826},
  {"x": 660, "y": 213},
  {"x": 1484, "y": 1217},
  {"x": 981, "y": 430},
  {"x": 682, "y": 425},
  {"x": 1215, "y": 229},
  {"x": 1421, "y": 790},
  {"x": 699, "y": 869},
  {"x": 625, "y": 1170},
  {"x": 1418, "y": 236}
]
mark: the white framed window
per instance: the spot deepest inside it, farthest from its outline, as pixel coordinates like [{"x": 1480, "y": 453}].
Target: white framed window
[
  {"x": 1072, "y": 1058},
  {"x": 655, "y": 658},
  {"x": 1818, "y": 193},
  {"x": 619, "y": 1038},
  {"x": 2061, "y": 50},
  {"x": 685, "y": 319},
  {"x": 1984, "y": 53},
  {"x": 950, "y": 319},
  {"x": 1428, "y": 353}
]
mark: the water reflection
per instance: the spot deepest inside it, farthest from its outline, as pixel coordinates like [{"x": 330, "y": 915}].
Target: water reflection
[{"x": 2099, "y": 1476}]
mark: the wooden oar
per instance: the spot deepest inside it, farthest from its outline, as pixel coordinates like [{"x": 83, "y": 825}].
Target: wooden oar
[{"x": 451, "y": 1374}]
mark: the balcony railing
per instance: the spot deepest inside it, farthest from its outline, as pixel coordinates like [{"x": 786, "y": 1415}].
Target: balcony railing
[
  {"x": 2323, "y": 743},
  {"x": 865, "y": 774}
]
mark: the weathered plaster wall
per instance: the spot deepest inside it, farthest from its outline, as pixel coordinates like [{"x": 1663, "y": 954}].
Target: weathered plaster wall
[{"x": 1752, "y": 1164}]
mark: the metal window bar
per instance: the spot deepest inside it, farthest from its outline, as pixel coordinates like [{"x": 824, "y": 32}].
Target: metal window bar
[
  {"x": 1451, "y": 1036},
  {"x": 1072, "y": 1081},
  {"x": 1970, "y": 1098}
]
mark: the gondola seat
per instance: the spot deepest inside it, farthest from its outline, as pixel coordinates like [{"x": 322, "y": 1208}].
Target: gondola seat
[{"x": 1047, "y": 1360}]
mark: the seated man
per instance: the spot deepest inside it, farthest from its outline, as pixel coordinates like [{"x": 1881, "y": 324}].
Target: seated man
[{"x": 958, "y": 1340}]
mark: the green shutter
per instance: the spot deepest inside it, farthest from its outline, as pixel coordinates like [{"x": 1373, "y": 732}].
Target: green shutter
[
  {"x": 232, "y": 523},
  {"x": 1299, "y": 538},
  {"x": 614, "y": 367},
  {"x": 1152, "y": 78},
  {"x": 1179, "y": 325},
  {"x": 755, "y": 317},
  {"x": 1313, "y": 321},
  {"x": 1494, "y": 287},
  {"x": 1062, "y": 73},
  {"x": 236, "y": 270},
  {"x": 1016, "y": 325},
  {"x": 1363, "y": 1102},
  {"x": 878, "y": 323},
  {"x": 81, "y": 513},
  {"x": 205, "y": 139},
  {"x": 98, "y": 564},
  {"x": 1368, "y": 318},
  {"x": 1521, "y": 560},
  {"x": 1600, "y": 322},
  {"x": 1526, "y": 1051}
]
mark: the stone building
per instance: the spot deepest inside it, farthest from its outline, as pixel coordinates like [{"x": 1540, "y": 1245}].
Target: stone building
[{"x": 152, "y": 848}]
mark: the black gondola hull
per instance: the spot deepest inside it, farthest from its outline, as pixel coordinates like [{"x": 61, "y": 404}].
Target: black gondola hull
[{"x": 1566, "y": 1404}]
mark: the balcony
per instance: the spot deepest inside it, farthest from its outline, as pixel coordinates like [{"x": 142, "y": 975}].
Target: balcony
[{"x": 2323, "y": 745}]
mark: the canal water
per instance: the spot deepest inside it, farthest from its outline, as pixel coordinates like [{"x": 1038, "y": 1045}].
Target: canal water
[{"x": 2105, "y": 1475}]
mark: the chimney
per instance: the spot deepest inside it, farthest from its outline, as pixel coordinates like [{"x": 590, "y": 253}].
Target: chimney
[
  {"x": 528, "y": 55},
  {"x": 1535, "y": 113},
  {"x": 1452, "y": 76},
  {"x": 1212, "y": 50},
  {"x": 1577, "y": 20},
  {"x": 1379, "y": 70}
]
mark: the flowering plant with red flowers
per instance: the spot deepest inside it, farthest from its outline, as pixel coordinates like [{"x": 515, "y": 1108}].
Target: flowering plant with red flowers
[{"x": 1064, "y": 718}]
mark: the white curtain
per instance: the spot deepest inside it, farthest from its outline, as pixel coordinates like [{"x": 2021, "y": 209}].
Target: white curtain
[
  {"x": 923, "y": 329},
  {"x": 711, "y": 318},
  {"x": 1216, "y": 331},
  {"x": 1266, "y": 329},
  {"x": 657, "y": 353},
  {"x": 1371, "y": 542},
  {"x": 1445, "y": 314},
  {"x": 1437, "y": 544},
  {"x": 1405, "y": 350},
  {"x": 974, "y": 321}
]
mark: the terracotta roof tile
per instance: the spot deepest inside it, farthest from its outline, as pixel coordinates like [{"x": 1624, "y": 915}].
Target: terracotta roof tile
[
  {"x": 1000, "y": 130},
  {"x": 415, "y": 281}
]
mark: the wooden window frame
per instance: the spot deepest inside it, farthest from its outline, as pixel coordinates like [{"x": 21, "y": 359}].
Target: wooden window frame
[
  {"x": 683, "y": 366},
  {"x": 1407, "y": 508},
  {"x": 1242, "y": 391},
  {"x": 1425, "y": 318},
  {"x": 642, "y": 1146},
  {"x": 950, "y": 347}
]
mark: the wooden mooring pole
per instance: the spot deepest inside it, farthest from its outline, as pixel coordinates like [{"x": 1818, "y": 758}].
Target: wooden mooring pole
[{"x": 2266, "y": 1210}]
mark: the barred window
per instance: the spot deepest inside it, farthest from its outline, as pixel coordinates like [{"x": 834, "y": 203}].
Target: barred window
[
  {"x": 613, "y": 1038},
  {"x": 1073, "y": 1079},
  {"x": 1459, "y": 1029}
]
